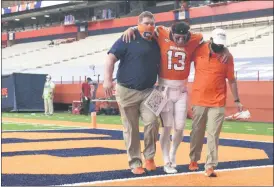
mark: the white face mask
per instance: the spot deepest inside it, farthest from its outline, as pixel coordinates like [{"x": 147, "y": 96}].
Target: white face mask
[{"x": 47, "y": 79}]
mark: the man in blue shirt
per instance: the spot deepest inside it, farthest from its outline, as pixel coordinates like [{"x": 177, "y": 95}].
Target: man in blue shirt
[{"x": 136, "y": 76}]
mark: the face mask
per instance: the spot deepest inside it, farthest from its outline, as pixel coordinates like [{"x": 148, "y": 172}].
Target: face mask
[
  {"x": 146, "y": 31},
  {"x": 217, "y": 48},
  {"x": 181, "y": 40}
]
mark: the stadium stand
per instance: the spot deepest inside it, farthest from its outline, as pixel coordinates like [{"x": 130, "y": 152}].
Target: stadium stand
[
  {"x": 13, "y": 3},
  {"x": 243, "y": 36},
  {"x": 72, "y": 53}
]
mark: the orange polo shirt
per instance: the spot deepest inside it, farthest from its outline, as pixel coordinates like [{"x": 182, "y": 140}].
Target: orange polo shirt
[{"x": 209, "y": 86}]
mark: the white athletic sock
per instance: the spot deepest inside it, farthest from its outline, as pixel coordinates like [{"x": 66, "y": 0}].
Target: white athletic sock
[
  {"x": 176, "y": 140},
  {"x": 165, "y": 143}
]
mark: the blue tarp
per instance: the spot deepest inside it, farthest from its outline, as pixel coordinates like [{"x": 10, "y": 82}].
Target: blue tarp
[{"x": 24, "y": 92}]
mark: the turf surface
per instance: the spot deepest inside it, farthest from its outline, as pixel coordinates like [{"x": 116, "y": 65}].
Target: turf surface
[
  {"x": 25, "y": 126},
  {"x": 228, "y": 126}
]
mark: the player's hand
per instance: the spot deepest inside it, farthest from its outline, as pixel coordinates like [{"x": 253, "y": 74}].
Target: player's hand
[
  {"x": 224, "y": 56},
  {"x": 128, "y": 34},
  {"x": 239, "y": 106},
  {"x": 107, "y": 85}
]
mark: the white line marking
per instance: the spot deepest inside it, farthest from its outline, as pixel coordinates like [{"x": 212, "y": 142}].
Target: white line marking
[
  {"x": 26, "y": 123},
  {"x": 54, "y": 127},
  {"x": 30, "y": 130},
  {"x": 251, "y": 129},
  {"x": 160, "y": 176}
]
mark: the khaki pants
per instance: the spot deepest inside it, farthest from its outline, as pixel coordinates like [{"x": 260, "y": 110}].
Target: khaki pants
[
  {"x": 131, "y": 105},
  {"x": 213, "y": 118},
  {"x": 48, "y": 104}
]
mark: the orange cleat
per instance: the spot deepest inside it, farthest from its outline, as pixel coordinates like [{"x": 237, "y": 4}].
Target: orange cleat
[
  {"x": 193, "y": 166},
  {"x": 138, "y": 171},
  {"x": 210, "y": 172},
  {"x": 150, "y": 165}
]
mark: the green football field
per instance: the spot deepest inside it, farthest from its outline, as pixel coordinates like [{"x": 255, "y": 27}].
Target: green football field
[
  {"x": 228, "y": 126},
  {"x": 9, "y": 126}
]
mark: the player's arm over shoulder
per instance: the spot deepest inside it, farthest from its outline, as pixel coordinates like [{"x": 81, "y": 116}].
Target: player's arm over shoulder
[
  {"x": 199, "y": 48},
  {"x": 161, "y": 30},
  {"x": 197, "y": 38}
]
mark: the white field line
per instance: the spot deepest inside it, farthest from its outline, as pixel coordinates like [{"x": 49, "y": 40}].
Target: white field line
[
  {"x": 30, "y": 130},
  {"x": 64, "y": 127},
  {"x": 161, "y": 176}
]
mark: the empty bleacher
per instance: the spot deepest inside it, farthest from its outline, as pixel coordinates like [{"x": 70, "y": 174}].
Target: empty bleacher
[
  {"x": 250, "y": 42},
  {"x": 79, "y": 53}
]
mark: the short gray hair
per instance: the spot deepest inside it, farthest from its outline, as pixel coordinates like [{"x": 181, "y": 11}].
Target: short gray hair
[{"x": 145, "y": 14}]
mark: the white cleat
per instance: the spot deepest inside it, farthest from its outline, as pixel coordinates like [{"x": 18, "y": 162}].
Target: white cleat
[
  {"x": 173, "y": 161},
  {"x": 169, "y": 169}
]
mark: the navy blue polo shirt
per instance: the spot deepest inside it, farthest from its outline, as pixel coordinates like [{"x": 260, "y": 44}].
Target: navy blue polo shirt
[{"x": 139, "y": 62}]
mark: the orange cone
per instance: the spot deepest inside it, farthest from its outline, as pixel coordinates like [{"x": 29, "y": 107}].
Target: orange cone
[{"x": 93, "y": 119}]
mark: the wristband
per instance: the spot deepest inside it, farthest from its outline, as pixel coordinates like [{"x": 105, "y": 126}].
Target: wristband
[{"x": 237, "y": 101}]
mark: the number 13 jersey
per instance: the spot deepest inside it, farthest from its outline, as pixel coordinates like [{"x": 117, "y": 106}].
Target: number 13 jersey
[{"x": 175, "y": 61}]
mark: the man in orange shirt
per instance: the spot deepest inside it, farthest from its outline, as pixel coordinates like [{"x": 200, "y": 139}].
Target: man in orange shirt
[{"x": 209, "y": 99}]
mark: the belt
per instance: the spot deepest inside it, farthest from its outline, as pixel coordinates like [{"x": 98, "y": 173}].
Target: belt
[{"x": 130, "y": 87}]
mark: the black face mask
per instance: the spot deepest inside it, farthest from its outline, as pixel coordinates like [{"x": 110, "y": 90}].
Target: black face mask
[{"x": 217, "y": 48}]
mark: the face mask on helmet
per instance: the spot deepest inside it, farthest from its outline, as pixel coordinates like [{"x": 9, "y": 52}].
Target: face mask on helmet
[
  {"x": 217, "y": 48},
  {"x": 146, "y": 31},
  {"x": 180, "y": 33},
  {"x": 180, "y": 39}
]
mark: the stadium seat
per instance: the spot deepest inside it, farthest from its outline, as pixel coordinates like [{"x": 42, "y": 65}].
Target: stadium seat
[
  {"x": 206, "y": 26},
  {"x": 226, "y": 24},
  {"x": 195, "y": 27},
  {"x": 261, "y": 20},
  {"x": 237, "y": 23},
  {"x": 217, "y": 25},
  {"x": 249, "y": 22},
  {"x": 270, "y": 19}
]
